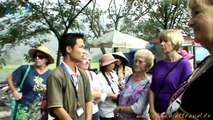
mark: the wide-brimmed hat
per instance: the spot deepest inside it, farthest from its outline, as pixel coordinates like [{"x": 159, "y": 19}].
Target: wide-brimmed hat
[
  {"x": 120, "y": 54},
  {"x": 185, "y": 54},
  {"x": 44, "y": 50},
  {"x": 107, "y": 59}
]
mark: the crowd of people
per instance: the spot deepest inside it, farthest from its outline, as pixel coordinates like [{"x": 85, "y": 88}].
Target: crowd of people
[{"x": 118, "y": 92}]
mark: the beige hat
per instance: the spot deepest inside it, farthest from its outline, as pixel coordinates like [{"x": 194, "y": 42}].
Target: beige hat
[
  {"x": 107, "y": 59},
  {"x": 120, "y": 54},
  {"x": 44, "y": 50}
]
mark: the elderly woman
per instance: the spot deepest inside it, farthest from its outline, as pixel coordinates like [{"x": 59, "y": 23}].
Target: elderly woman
[
  {"x": 133, "y": 101},
  {"x": 108, "y": 80},
  {"x": 169, "y": 73},
  {"x": 197, "y": 98},
  {"x": 34, "y": 85},
  {"x": 94, "y": 80}
]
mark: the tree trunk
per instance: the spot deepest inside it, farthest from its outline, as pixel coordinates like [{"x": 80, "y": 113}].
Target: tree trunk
[
  {"x": 103, "y": 50},
  {"x": 58, "y": 57}
]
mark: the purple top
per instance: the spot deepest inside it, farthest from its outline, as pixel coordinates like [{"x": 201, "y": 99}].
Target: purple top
[{"x": 176, "y": 76}]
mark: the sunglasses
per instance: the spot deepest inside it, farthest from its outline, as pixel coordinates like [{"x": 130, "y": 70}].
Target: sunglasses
[{"x": 40, "y": 56}]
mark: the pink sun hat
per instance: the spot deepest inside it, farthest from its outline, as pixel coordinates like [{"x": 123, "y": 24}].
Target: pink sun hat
[{"x": 185, "y": 54}]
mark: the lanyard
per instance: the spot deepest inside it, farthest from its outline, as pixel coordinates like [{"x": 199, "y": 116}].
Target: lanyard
[{"x": 72, "y": 80}]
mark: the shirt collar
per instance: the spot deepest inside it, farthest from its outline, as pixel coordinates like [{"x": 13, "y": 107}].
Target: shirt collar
[{"x": 70, "y": 70}]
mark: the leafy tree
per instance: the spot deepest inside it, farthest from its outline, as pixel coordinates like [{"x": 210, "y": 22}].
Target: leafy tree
[
  {"x": 44, "y": 18},
  {"x": 141, "y": 18},
  {"x": 164, "y": 15},
  {"x": 120, "y": 17}
]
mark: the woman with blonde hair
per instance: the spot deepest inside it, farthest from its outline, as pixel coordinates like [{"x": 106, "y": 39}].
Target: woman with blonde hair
[
  {"x": 94, "y": 80},
  {"x": 168, "y": 73},
  {"x": 197, "y": 98},
  {"x": 133, "y": 101}
]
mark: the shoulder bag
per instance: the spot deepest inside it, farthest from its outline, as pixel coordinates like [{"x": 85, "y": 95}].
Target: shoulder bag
[{"x": 14, "y": 101}]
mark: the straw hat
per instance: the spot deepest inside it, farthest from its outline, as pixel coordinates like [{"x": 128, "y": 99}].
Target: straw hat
[
  {"x": 44, "y": 50},
  {"x": 185, "y": 54},
  {"x": 107, "y": 59},
  {"x": 120, "y": 54}
]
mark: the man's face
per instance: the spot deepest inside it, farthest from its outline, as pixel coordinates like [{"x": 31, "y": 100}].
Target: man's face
[{"x": 77, "y": 52}]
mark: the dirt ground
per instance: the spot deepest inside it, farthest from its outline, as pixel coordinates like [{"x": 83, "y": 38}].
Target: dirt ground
[{"x": 4, "y": 113}]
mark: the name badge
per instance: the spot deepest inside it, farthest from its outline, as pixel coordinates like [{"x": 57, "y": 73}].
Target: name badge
[{"x": 79, "y": 111}]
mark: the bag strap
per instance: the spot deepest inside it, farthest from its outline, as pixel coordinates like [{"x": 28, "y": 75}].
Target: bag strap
[
  {"x": 108, "y": 81},
  {"x": 128, "y": 79},
  {"x": 25, "y": 75},
  {"x": 161, "y": 85},
  {"x": 90, "y": 73}
]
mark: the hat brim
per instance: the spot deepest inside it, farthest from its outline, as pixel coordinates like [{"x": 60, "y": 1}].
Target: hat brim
[
  {"x": 50, "y": 58},
  {"x": 126, "y": 60},
  {"x": 109, "y": 62},
  {"x": 189, "y": 56}
]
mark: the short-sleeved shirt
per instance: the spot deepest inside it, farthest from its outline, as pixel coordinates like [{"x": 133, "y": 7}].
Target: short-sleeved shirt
[
  {"x": 60, "y": 92},
  {"x": 164, "y": 85},
  {"x": 29, "y": 96},
  {"x": 135, "y": 94},
  {"x": 94, "y": 83}
]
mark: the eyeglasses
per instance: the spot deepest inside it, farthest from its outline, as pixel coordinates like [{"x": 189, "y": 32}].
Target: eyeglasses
[{"x": 40, "y": 56}]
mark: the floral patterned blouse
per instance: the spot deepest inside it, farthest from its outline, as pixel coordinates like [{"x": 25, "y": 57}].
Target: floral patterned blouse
[{"x": 135, "y": 95}]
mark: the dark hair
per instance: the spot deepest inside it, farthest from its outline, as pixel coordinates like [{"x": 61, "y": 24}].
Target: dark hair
[
  {"x": 68, "y": 39},
  {"x": 102, "y": 68},
  {"x": 123, "y": 60}
]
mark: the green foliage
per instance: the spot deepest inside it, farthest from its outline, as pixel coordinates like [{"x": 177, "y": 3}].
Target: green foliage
[
  {"x": 29, "y": 28},
  {"x": 94, "y": 66},
  {"x": 166, "y": 14},
  {"x": 141, "y": 18}
]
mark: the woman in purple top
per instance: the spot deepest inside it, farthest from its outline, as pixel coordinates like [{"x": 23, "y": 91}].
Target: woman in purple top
[
  {"x": 168, "y": 73},
  {"x": 133, "y": 101}
]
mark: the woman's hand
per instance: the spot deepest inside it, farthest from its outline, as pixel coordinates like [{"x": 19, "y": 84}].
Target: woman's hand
[
  {"x": 18, "y": 95},
  {"x": 116, "y": 111},
  {"x": 112, "y": 95},
  {"x": 96, "y": 93}
]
